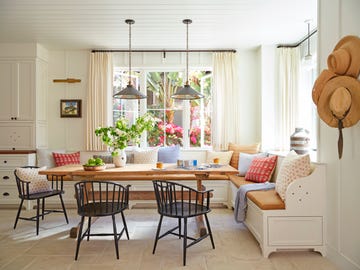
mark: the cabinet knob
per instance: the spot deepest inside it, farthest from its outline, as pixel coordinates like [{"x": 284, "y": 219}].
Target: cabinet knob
[
  {"x": 12, "y": 118},
  {"x": 15, "y": 118},
  {"x": 6, "y": 194},
  {"x": 5, "y": 161},
  {"x": 6, "y": 177}
]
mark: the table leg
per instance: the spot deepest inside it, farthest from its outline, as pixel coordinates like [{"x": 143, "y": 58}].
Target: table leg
[{"x": 199, "y": 219}]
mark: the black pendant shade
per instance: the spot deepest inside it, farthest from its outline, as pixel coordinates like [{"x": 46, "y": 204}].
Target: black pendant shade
[
  {"x": 129, "y": 92},
  {"x": 186, "y": 92}
]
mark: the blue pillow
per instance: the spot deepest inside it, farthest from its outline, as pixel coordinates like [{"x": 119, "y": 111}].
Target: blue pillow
[{"x": 169, "y": 154}]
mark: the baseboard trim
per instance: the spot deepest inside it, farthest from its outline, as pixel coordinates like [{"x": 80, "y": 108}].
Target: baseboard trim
[{"x": 340, "y": 260}]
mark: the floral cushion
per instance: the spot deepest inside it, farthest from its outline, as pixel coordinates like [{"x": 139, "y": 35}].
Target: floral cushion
[
  {"x": 66, "y": 159},
  {"x": 149, "y": 156},
  {"x": 292, "y": 167},
  {"x": 38, "y": 183},
  {"x": 261, "y": 169}
]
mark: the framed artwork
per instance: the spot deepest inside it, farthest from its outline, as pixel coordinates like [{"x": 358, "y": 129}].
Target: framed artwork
[{"x": 70, "y": 108}]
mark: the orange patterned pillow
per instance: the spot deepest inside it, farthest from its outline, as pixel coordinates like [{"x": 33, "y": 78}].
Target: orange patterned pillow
[
  {"x": 261, "y": 169},
  {"x": 237, "y": 148}
]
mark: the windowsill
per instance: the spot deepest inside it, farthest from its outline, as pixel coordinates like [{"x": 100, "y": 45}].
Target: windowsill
[{"x": 312, "y": 153}]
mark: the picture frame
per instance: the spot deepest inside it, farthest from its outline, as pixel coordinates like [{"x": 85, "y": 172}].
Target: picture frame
[{"x": 70, "y": 108}]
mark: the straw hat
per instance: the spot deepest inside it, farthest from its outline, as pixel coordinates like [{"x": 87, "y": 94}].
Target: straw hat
[
  {"x": 345, "y": 59},
  {"x": 320, "y": 82},
  {"x": 339, "y": 102}
]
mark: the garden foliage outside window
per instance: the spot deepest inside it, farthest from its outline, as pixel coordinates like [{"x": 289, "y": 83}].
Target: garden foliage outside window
[{"x": 187, "y": 123}]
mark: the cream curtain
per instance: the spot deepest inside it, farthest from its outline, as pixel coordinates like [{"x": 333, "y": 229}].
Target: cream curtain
[
  {"x": 98, "y": 98},
  {"x": 289, "y": 77},
  {"x": 226, "y": 97}
]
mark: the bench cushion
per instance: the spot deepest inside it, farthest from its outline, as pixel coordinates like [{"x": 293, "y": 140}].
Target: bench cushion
[
  {"x": 266, "y": 199},
  {"x": 238, "y": 181}
]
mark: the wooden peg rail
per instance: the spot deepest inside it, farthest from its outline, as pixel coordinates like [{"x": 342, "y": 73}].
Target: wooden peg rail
[{"x": 68, "y": 80}]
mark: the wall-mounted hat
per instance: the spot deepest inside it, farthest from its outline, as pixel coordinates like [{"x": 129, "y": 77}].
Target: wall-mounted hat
[
  {"x": 339, "y": 104},
  {"x": 320, "y": 82},
  {"x": 345, "y": 59},
  {"x": 340, "y": 100}
]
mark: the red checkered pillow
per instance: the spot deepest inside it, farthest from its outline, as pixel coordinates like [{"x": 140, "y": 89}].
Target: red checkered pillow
[
  {"x": 261, "y": 169},
  {"x": 65, "y": 159}
]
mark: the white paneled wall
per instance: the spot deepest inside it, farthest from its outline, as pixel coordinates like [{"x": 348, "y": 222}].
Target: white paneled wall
[
  {"x": 69, "y": 133},
  {"x": 338, "y": 18}
]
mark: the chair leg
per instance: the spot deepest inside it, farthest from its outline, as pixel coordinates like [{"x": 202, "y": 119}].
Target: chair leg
[
  {"x": 88, "y": 228},
  {"x": 179, "y": 222},
  {"x": 37, "y": 215},
  {"x": 209, "y": 230},
  {"x": 115, "y": 237},
  {"x": 18, "y": 213},
  {"x": 125, "y": 225},
  {"x": 184, "y": 243},
  {"x": 63, "y": 207},
  {"x": 43, "y": 208},
  {"x": 157, "y": 233},
  {"x": 79, "y": 237}
]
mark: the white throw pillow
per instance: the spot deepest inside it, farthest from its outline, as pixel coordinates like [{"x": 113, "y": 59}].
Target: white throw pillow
[
  {"x": 245, "y": 161},
  {"x": 149, "y": 156},
  {"x": 38, "y": 183},
  {"x": 223, "y": 156},
  {"x": 44, "y": 157},
  {"x": 292, "y": 167}
]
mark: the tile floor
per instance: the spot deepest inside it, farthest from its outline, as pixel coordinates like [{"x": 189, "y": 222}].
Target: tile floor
[{"x": 54, "y": 249}]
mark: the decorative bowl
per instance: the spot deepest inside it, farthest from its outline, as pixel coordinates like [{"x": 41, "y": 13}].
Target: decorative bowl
[{"x": 94, "y": 168}]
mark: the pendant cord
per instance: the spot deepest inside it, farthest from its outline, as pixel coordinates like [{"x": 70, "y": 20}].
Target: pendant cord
[
  {"x": 187, "y": 53},
  {"x": 129, "y": 53}
]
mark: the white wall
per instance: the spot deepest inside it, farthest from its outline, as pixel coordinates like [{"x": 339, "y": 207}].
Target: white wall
[
  {"x": 69, "y": 133},
  {"x": 338, "y": 18}
]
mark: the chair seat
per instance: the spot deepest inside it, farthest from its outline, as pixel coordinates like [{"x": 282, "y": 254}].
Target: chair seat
[
  {"x": 183, "y": 209},
  {"x": 41, "y": 195},
  {"x": 99, "y": 209}
]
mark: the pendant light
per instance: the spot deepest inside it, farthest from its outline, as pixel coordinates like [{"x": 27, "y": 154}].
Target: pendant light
[
  {"x": 308, "y": 56},
  {"x": 186, "y": 92},
  {"x": 129, "y": 92}
]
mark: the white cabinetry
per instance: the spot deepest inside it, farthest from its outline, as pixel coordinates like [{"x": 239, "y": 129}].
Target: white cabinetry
[
  {"x": 17, "y": 88},
  {"x": 8, "y": 163},
  {"x": 23, "y": 88}
]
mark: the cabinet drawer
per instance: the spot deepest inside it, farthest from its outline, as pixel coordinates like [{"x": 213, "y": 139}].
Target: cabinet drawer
[
  {"x": 7, "y": 178},
  {"x": 14, "y": 161},
  {"x": 9, "y": 194},
  {"x": 295, "y": 231}
]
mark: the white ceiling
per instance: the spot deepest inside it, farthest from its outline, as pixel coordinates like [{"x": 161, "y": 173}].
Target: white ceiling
[{"x": 99, "y": 24}]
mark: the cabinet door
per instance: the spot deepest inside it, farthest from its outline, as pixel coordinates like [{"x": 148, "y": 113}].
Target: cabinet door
[
  {"x": 17, "y": 136},
  {"x": 7, "y": 80},
  {"x": 25, "y": 102},
  {"x": 17, "y": 82}
]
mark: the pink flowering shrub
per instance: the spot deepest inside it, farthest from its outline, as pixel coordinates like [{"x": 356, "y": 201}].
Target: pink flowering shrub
[{"x": 173, "y": 134}]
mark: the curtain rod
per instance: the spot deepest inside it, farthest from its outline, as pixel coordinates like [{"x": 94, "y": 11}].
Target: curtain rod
[
  {"x": 298, "y": 43},
  {"x": 165, "y": 51}
]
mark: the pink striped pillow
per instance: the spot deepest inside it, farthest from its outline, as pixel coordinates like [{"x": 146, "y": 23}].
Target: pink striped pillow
[
  {"x": 261, "y": 169},
  {"x": 66, "y": 159}
]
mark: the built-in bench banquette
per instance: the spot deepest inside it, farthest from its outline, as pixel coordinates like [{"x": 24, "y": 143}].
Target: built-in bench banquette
[{"x": 297, "y": 222}]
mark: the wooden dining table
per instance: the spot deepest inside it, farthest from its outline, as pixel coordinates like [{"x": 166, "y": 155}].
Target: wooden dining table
[{"x": 141, "y": 172}]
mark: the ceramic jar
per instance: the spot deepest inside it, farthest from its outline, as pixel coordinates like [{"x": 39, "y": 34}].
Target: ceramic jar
[{"x": 300, "y": 141}]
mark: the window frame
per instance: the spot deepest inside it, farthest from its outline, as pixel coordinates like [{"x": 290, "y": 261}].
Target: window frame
[{"x": 143, "y": 106}]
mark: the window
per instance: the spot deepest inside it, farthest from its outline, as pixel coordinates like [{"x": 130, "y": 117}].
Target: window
[{"x": 187, "y": 123}]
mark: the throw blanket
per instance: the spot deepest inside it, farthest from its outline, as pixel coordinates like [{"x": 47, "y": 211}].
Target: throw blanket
[{"x": 241, "y": 200}]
